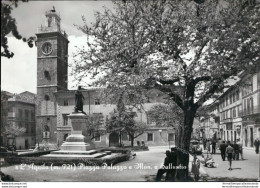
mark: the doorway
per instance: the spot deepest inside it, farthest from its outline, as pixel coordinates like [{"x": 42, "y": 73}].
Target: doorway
[
  {"x": 251, "y": 137},
  {"x": 246, "y": 140},
  {"x": 26, "y": 144},
  {"x": 114, "y": 139}
]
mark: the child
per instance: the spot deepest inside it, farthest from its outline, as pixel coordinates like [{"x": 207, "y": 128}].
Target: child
[{"x": 195, "y": 168}]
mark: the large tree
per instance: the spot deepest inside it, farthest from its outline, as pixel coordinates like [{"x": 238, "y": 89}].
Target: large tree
[
  {"x": 168, "y": 45},
  {"x": 122, "y": 120}
]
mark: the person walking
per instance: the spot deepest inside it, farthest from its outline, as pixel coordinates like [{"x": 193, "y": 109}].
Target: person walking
[
  {"x": 236, "y": 151},
  {"x": 195, "y": 168},
  {"x": 257, "y": 143},
  {"x": 230, "y": 153},
  {"x": 204, "y": 144},
  {"x": 222, "y": 149},
  {"x": 240, "y": 150},
  {"x": 208, "y": 145},
  {"x": 213, "y": 147}
]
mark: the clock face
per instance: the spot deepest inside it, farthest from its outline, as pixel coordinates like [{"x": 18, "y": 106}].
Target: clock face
[{"x": 46, "y": 48}]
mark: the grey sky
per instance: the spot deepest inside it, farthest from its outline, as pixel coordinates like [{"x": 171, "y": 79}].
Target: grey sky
[{"x": 18, "y": 74}]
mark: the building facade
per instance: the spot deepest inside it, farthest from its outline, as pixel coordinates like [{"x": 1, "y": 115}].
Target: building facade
[
  {"x": 94, "y": 106},
  {"x": 250, "y": 112},
  {"x": 21, "y": 113},
  {"x": 239, "y": 111},
  {"x": 4, "y": 115}
]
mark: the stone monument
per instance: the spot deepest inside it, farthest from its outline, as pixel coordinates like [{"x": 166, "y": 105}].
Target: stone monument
[{"x": 78, "y": 120}]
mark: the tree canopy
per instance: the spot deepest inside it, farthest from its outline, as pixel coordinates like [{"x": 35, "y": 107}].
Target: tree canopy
[
  {"x": 186, "y": 49},
  {"x": 8, "y": 26}
]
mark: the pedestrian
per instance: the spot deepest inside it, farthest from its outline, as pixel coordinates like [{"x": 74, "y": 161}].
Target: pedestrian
[
  {"x": 208, "y": 145},
  {"x": 240, "y": 151},
  {"x": 173, "y": 161},
  {"x": 236, "y": 151},
  {"x": 195, "y": 168},
  {"x": 257, "y": 143},
  {"x": 165, "y": 168},
  {"x": 213, "y": 147},
  {"x": 204, "y": 144},
  {"x": 230, "y": 153},
  {"x": 222, "y": 149}
]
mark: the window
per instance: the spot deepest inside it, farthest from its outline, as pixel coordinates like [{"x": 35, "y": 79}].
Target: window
[
  {"x": 26, "y": 115},
  {"x": 230, "y": 99},
  {"x": 97, "y": 101},
  {"x": 47, "y": 75},
  {"x": 10, "y": 109},
  {"x": 226, "y": 101},
  {"x": 65, "y": 103},
  {"x": 248, "y": 86},
  {"x": 244, "y": 106},
  {"x": 27, "y": 128},
  {"x": 149, "y": 136},
  {"x": 170, "y": 137},
  {"x": 65, "y": 119},
  {"x": 252, "y": 104},
  {"x": 46, "y": 97},
  {"x": 32, "y": 115},
  {"x": 97, "y": 137},
  {"x": 20, "y": 114},
  {"x": 237, "y": 95},
  {"x": 32, "y": 128},
  {"x": 234, "y": 112},
  {"x": 234, "y": 97}
]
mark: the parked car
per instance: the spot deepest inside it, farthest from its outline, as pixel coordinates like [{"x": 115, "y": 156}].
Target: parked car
[{"x": 195, "y": 147}]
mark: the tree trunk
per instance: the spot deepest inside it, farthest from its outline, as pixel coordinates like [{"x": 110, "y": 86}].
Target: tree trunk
[
  {"x": 120, "y": 139},
  {"x": 132, "y": 141},
  {"x": 184, "y": 135}
]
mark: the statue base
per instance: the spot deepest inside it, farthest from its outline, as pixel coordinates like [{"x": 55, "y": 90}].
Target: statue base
[{"x": 76, "y": 141}]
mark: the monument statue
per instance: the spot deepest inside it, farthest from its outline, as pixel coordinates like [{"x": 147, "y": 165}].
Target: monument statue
[{"x": 79, "y": 101}]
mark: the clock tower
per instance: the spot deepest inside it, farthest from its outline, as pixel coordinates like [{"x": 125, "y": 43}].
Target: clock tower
[{"x": 52, "y": 72}]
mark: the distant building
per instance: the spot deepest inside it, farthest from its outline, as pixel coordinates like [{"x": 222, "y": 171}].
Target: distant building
[
  {"x": 21, "y": 113},
  {"x": 238, "y": 112},
  {"x": 250, "y": 112},
  {"x": 4, "y": 115},
  {"x": 94, "y": 106}
]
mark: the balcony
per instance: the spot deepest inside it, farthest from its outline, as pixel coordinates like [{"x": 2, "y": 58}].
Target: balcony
[
  {"x": 228, "y": 120},
  {"x": 255, "y": 110}
]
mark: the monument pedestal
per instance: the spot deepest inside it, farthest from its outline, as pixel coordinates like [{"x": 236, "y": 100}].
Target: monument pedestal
[{"x": 76, "y": 141}]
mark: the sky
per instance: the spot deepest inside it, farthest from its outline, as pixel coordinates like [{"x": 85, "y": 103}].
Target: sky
[{"x": 18, "y": 74}]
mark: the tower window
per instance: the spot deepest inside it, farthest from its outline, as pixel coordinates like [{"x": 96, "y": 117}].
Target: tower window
[
  {"x": 47, "y": 75},
  {"x": 46, "y": 97}
]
